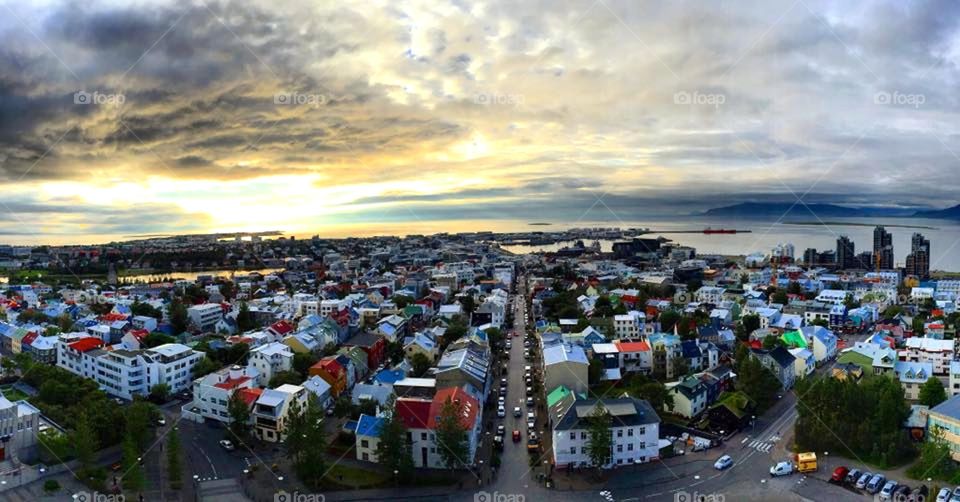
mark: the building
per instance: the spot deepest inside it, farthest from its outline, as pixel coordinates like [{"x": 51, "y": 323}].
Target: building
[
  {"x": 567, "y": 365},
  {"x": 212, "y": 392},
  {"x": 19, "y": 426},
  {"x": 930, "y": 350},
  {"x": 918, "y": 261},
  {"x": 912, "y": 376},
  {"x": 781, "y": 362},
  {"x": 883, "y": 248},
  {"x": 689, "y": 397},
  {"x": 270, "y": 359},
  {"x": 945, "y": 417},
  {"x": 367, "y": 436},
  {"x": 420, "y": 415},
  {"x": 629, "y": 326},
  {"x": 954, "y": 378},
  {"x": 846, "y": 253},
  {"x": 127, "y": 373},
  {"x": 635, "y": 429},
  {"x": 271, "y": 409},
  {"x": 205, "y": 316}
]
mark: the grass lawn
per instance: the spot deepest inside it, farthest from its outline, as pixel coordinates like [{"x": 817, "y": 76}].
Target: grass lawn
[
  {"x": 12, "y": 394},
  {"x": 355, "y": 477}
]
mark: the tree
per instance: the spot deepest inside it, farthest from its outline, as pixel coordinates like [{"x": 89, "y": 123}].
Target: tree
[
  {"x": 204, "y": 367},
  {"x": 680, "y": 366},
  {"x": 157, "y": 339},
  {"x": 393, "y": 450},
  {"x": 65, "y": 322},
  {"x": 780, "y": 296},
  {"x": 285, "y": 377},
  {"x": 139, "y": 416},
  {"x": 748, "y": 324},
  {"x": 451, "y": 436},
  {"x": 302, "y": 361},
  {"x": 935, "y": 460},
  {"x": 178, "y": 316},
  {"x": 239, "y": 413},
  {"x": 421, "y": 364},
  {"x": 821, "y": 322},
  {"x": 85, "y": 443},
  {"x": 794, "y": 288},
  {"x": 932, "y": 392},
  {"x": 173, "y": 458},
  {"x": 654, "y": 392},
  {"x": 133, "y": 479},
  {"x": 468, "y": 303},
  {"x": 311, "y": 464},
  {"x": 245, "y": 320},
  {"x": 599, "y": 436},
  {"x": 160, "y": 392},
  {"x": 402, "y": 300},
  {"x": 757, "y": 381},
  {"x": 772, "y": 342},
  {"x": 594, "y": 371},
  {"x": 668, "y": 319}
]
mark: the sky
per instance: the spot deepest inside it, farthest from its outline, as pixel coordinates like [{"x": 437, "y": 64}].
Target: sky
[{"x": 128, "y": 118}]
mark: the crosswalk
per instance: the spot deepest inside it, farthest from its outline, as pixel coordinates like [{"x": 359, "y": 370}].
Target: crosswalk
[{"x": 764, "y": 445}]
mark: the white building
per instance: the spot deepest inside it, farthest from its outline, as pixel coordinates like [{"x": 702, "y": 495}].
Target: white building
[
  {"x": 271, "y": 409},
  {"x": 954, "y": 378},
  {"x": 635, "y": 430},
  {"x": 19, "y": 426},
  {"x": 930, "y": 350},
  {"x": 205, "y": 316},
  {"x": 629, "y": 326},
  {"x": 211, "y": 393},
  {"x": 269, "y": 360}
]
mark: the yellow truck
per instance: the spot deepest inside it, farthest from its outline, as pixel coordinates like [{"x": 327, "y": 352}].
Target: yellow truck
[{"x": 806, "y": 462}]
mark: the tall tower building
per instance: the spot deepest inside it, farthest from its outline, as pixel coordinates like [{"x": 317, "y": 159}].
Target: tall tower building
[
  {"x": 846, "y": 252},
  {"x": 883, "y": 247},
  {"x": 918, "y": 261}
]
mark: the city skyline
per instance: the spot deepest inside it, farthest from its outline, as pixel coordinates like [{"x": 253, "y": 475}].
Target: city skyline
[{"x": 186, "y": 117}]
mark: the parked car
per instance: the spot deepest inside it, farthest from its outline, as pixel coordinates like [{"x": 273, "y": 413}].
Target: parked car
[
  {"x": 516, "y": 412},
  {"x": 781, "y": 469},
  {"x": 529, "y": 402},
  {"x": 864, "y": 479},
  {"x": 886, "y": 493},
  {"x": 516, "y": 436},
  {"x": 501, "y": 411},
  {"x": 161, "y": 421},
  {"x": 723, "y": 462},
  {"x": 904, "y": 493},
  {"x": 944, "y": 495},
  {"x": 839, "y": 474},
  {"x": 956, "y": 494},
  {"x": 876, "y": 483},
  {"x": 853, "y": 476},
  {"x": 501, "y": 429}
]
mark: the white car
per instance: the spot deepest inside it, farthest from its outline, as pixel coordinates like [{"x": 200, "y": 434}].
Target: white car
[
  {"x": 517, "y": 412},
  {"x": 227, "y": 445},
  {"x": 501, "y": 411},
  {"x": 781, "y": 469},
  {"x": 723, "y": 462},
  {"x": 944, "y": 495}
]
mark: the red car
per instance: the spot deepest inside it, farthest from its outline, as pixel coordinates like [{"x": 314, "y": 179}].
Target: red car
[
  {"x": 839, "y": 474},
  {"x": 516, "y": 436}
]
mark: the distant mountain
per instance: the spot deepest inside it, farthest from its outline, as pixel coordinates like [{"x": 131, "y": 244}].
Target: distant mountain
[
  {"x": 777, "y": 209},
  {"x": 951, "y": 213}
]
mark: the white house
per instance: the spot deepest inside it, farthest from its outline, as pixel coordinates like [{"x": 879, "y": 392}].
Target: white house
[
  {"x": 212, "y": 392},
  {"x": 271, "y": 409},
  {"x": 270, "y": 359},
  {"x": 630, "y": 325},
  {"x": 635, "y": 429},
  {"x": 565, "y": 364},
  {"x": 205, "y": 316},
  {"x": 930, "y": 350}
]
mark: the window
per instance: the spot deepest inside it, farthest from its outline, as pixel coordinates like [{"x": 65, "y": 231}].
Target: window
[
  {"x": 619, "y": 433},
  {"x": 629, "y": 446},
  {"x": 583, "y": 435},
  {"x": 364, "y": 443},
  {"x": 643, "y": 430},
  {"x": 643, "y": 445},
  {"x": 619, "y": 448},
  {"x": 423, "y": 436},
  {"x": 573, "y": 450},
  {"x": 573, "y": 435},
  {"x": 630, "y": 432}
]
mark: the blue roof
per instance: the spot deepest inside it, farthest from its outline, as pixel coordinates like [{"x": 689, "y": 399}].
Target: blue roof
[
  {"x": 389, "y": 376},
  {"x": 690, "y": 349},
  {"x": 950, "y": 407},
  {"x": 369, "y": 426}
]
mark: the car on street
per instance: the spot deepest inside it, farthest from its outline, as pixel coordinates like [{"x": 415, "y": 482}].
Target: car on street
[
  {"x": 853, "y": 476},
  {"x": 516, "y": 436},
  {"x": 517, "y": 412},
  {"x": 944, "y": 495},
  {"x": 781, "y": 469},
  {"x": 839, "y": 474},
  {"x": 956, "y": 494},
  {"x": 723, "y": 462},
  {"x": 227, "y": 445},
  {"x": 503, "y": 382},
  {"x": 161, "y": 421},
  {"x": 529, "y": 402},
  {"x": 501, "y": 430},
  {"x": 886, "y": 493},
  {"x": 919, "y": 494},
  {"x": 864, "y": 479},
  {"x": 529, "y": 391},
  {"x": 498, "y": 442},
  {"x": 509, "y": 345},
  {"x": 501, "y": 411},
  {"x": 527, "y": 369},
  {"x": 876, "y": 484}
]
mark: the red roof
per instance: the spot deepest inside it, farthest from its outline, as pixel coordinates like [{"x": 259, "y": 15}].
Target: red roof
[
  {"x": 250, "y": 396},
  {"x": 469, "y": 406},
  {"x": 29, "y": 338},
  {"x": 232, "y": 383},
  {"x": 281, "y": 327},
  {"x": 139, "y": 334},
  {"x": 330, "y": 365},
  {"x": 85, "y": 344},
  {"x": 640, "y": 346},
  {"x": 113, "y": 317},
  {"x": 414, "y": 412}
]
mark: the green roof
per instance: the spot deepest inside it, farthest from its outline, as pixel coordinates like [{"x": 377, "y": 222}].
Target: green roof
[
  {"x": 794, "y": 339},
  {"x": 557, "y": 394},
  {"x": 737, "y": 402},
  {"x": 856, "y": 358}
]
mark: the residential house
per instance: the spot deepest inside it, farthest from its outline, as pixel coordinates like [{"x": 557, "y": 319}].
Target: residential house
[
  {"x": 212, "y": 392},
  {"x": 567, "y": 365},
  {"x": 635, "y": 430},
  {"x": 930, "y": 350},
  {"x": 912, "y": 376},
  {"x": 945, "y": 417},
  {"x": 780, "y": 362},
  {"x": 271, "y": 409},
  {"x": 270, "y": 359},
  {"x": 689, "y": 397},
  {"x": 367, "y": 436}
]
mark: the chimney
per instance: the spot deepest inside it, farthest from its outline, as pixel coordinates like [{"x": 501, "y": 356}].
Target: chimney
[{"x": 235, "y": 372}]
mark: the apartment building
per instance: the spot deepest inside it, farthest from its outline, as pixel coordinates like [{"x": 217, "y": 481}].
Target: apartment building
[
  {"x": 635, "y": 429},
  {"x": 205, "y": 316},
  {"x": 267, "y": 360},
  {"x": 629, "y": 326},
  {"x": 271, "y": 409},
  {"x": 930, "y": 350},
  {"x": 211, "y": 393}
]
